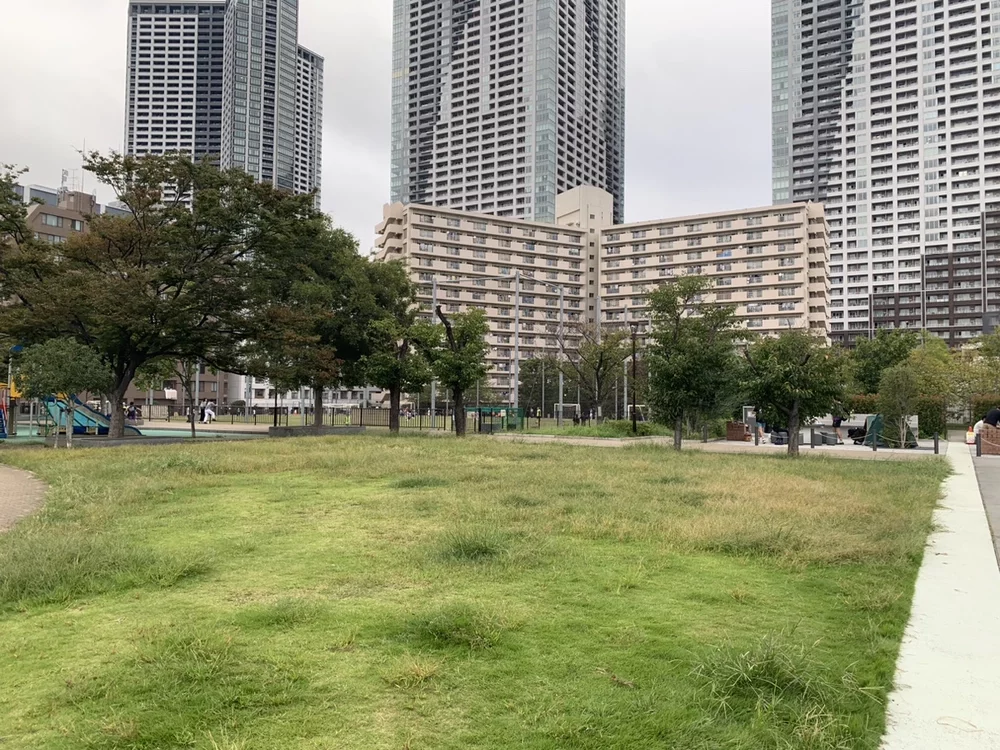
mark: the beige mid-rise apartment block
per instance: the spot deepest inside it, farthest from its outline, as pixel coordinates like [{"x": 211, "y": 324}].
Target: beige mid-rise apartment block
[
  {"x": 534, "y": 279},
  {"x": 770, "y": 263}
]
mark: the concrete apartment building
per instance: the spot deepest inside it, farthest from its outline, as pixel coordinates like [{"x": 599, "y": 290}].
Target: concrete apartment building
[
  {"x": 889, "y": 114},
  {"x": 224, "y": 78},
  {"x": 512, "y": 269},
  {"x": 69, "y": 215},
  {"x": 771, "y": 263},
  {"x": 498, "y": 106}
]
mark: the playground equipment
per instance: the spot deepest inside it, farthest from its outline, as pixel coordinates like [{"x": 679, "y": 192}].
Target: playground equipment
[
  {"x": 86, "y": 421},
  {"x": 4, "y": 400}
]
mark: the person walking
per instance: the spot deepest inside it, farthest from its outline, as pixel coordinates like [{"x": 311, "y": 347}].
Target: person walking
[
  {"x": 993, "y": 417},
  {"x": 209, "y": 413}
]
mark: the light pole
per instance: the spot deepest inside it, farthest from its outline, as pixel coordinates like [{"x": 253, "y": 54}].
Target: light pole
[{"x": 634, "y": 325}]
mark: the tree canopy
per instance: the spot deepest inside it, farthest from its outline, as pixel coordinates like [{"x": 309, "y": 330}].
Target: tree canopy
[
  {"x": 61, "y": 367},
  {"x": 172, "y": 279},
  {"x": 456, "y": 351},
  {"x": 872, "y": 357},
  {"x": 793, "y": 378},
  {"x": 693, "y": 363}
]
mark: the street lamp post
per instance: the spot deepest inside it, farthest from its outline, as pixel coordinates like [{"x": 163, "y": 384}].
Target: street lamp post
[
  {"x": 434, "y": 304},
  {"x": 634, "y": 325}
]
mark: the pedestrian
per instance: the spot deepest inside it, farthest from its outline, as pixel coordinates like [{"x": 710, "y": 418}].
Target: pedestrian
[
  {"x": 201, "y": 412},
  {"x": 993, "y": 418},
  {"x": 209, "y": 412},
  {"x": 838, "y": 420},
  {"x": 131, "y": 413}
]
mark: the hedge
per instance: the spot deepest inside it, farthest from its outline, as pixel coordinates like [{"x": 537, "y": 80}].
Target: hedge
[
  {"x": 933, "y": 414},
  {"x": 863, "y": 404}
]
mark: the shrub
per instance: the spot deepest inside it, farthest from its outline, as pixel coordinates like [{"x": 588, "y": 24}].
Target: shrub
[{"x": 933, "y": 414}]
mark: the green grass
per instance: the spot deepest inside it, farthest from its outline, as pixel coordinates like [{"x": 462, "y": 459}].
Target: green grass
[{"x": 428, "y": 593}]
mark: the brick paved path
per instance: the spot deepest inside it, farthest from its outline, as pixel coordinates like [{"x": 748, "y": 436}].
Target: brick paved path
[{"x": 21, "y": 494}]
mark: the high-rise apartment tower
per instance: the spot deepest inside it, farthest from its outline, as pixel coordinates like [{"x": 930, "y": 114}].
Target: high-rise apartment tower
[
  {"x": 888, "y": 112},
  {"x": 225, "y": 78},
  {"x": 498, "y": 106},
  {"x": 174, "y": 81}
]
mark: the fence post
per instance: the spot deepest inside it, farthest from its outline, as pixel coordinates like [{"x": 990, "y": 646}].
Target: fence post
[
  {"x": 937, "y": 444},
  {"x": 979, "y": 445},
  {"x": 704, "y": 433},
  {"x": 812, "y": 437}
]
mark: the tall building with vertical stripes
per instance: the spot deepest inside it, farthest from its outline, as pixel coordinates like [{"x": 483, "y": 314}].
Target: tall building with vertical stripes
[
  {"x": 224, "y": 78},
  {"x": 888, "y": 112},
  {"x": 498, "y": 106}
]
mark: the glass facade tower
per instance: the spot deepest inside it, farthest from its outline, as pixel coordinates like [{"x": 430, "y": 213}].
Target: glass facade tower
[
  {"x": 888, "y": 112},
  {"x": 499, "y": 106}
]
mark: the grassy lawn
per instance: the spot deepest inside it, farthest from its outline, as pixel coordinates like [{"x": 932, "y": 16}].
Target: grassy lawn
[{"x": 426, "y": 593}]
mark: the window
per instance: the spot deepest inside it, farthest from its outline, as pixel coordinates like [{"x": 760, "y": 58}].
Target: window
[
  {"x": 77, "y": 225},
  {"x": 52, "y": 221}
]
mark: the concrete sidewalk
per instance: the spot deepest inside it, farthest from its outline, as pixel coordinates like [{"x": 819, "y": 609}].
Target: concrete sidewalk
[
  {"x": 722, "y": 446},
  {"x": 948, "y": 673},
  {"x": 21, "y": 494}
]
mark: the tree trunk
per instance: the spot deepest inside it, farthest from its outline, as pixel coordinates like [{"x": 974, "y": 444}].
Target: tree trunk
[
  {"x": 395, "y": 396},
  {"x": 117, "y": 428},
  {"x": 678, "y": 432},
  {"x": 70, "y": 416},
  {"x": 195, "y": 408},
  {"x": 793, "y": 431},
  {"x": 318, "y": 405},
  {"x": 459, "y": 415}
]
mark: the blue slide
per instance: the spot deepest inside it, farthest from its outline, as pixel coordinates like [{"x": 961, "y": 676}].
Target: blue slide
[{"x": 85, "y": 419}]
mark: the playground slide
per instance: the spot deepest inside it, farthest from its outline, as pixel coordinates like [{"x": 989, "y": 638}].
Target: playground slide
[
  {"x": 85, "y": 419},
  {"x": 103, "y": 422}
]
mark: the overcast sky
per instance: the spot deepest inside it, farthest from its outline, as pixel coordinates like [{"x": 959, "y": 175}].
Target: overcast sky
[{"x": 697, "y": 99}]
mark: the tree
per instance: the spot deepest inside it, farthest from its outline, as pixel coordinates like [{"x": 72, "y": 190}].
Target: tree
[
  {"x": 989, "y": 346},
  {"x": 872, "y": 357},
  {"x": 393, "y": 362},
  {"x": 932, "y": 364},
  {"x": 594, "y": 354},
  {"x": 173, "y": 279},
  {"x": 898, "y": 396},
  {"x": 539, "y": 379},
  {"x": 457, "y": 354},
  {"x": 61, "y": 366},
  {"x": 793, "y": 378},
  {"x": 316, "y": 327},
  {"x": 693, "y": 359}
]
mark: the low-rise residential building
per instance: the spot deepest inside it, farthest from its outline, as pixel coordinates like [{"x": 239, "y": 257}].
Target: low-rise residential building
[{"x": 68, "y": 215}]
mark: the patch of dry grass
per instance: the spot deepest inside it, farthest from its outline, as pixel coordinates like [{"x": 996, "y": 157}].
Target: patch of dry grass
[{"x": 424, "y": 592}]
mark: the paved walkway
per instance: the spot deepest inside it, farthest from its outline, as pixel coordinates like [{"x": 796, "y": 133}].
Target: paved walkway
[
  {"x": 723, "y": 446},
  {"x": 21, "y": 494},
  {"x": 988, "y": 471},
  {"x": 948, "y": 673}
]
